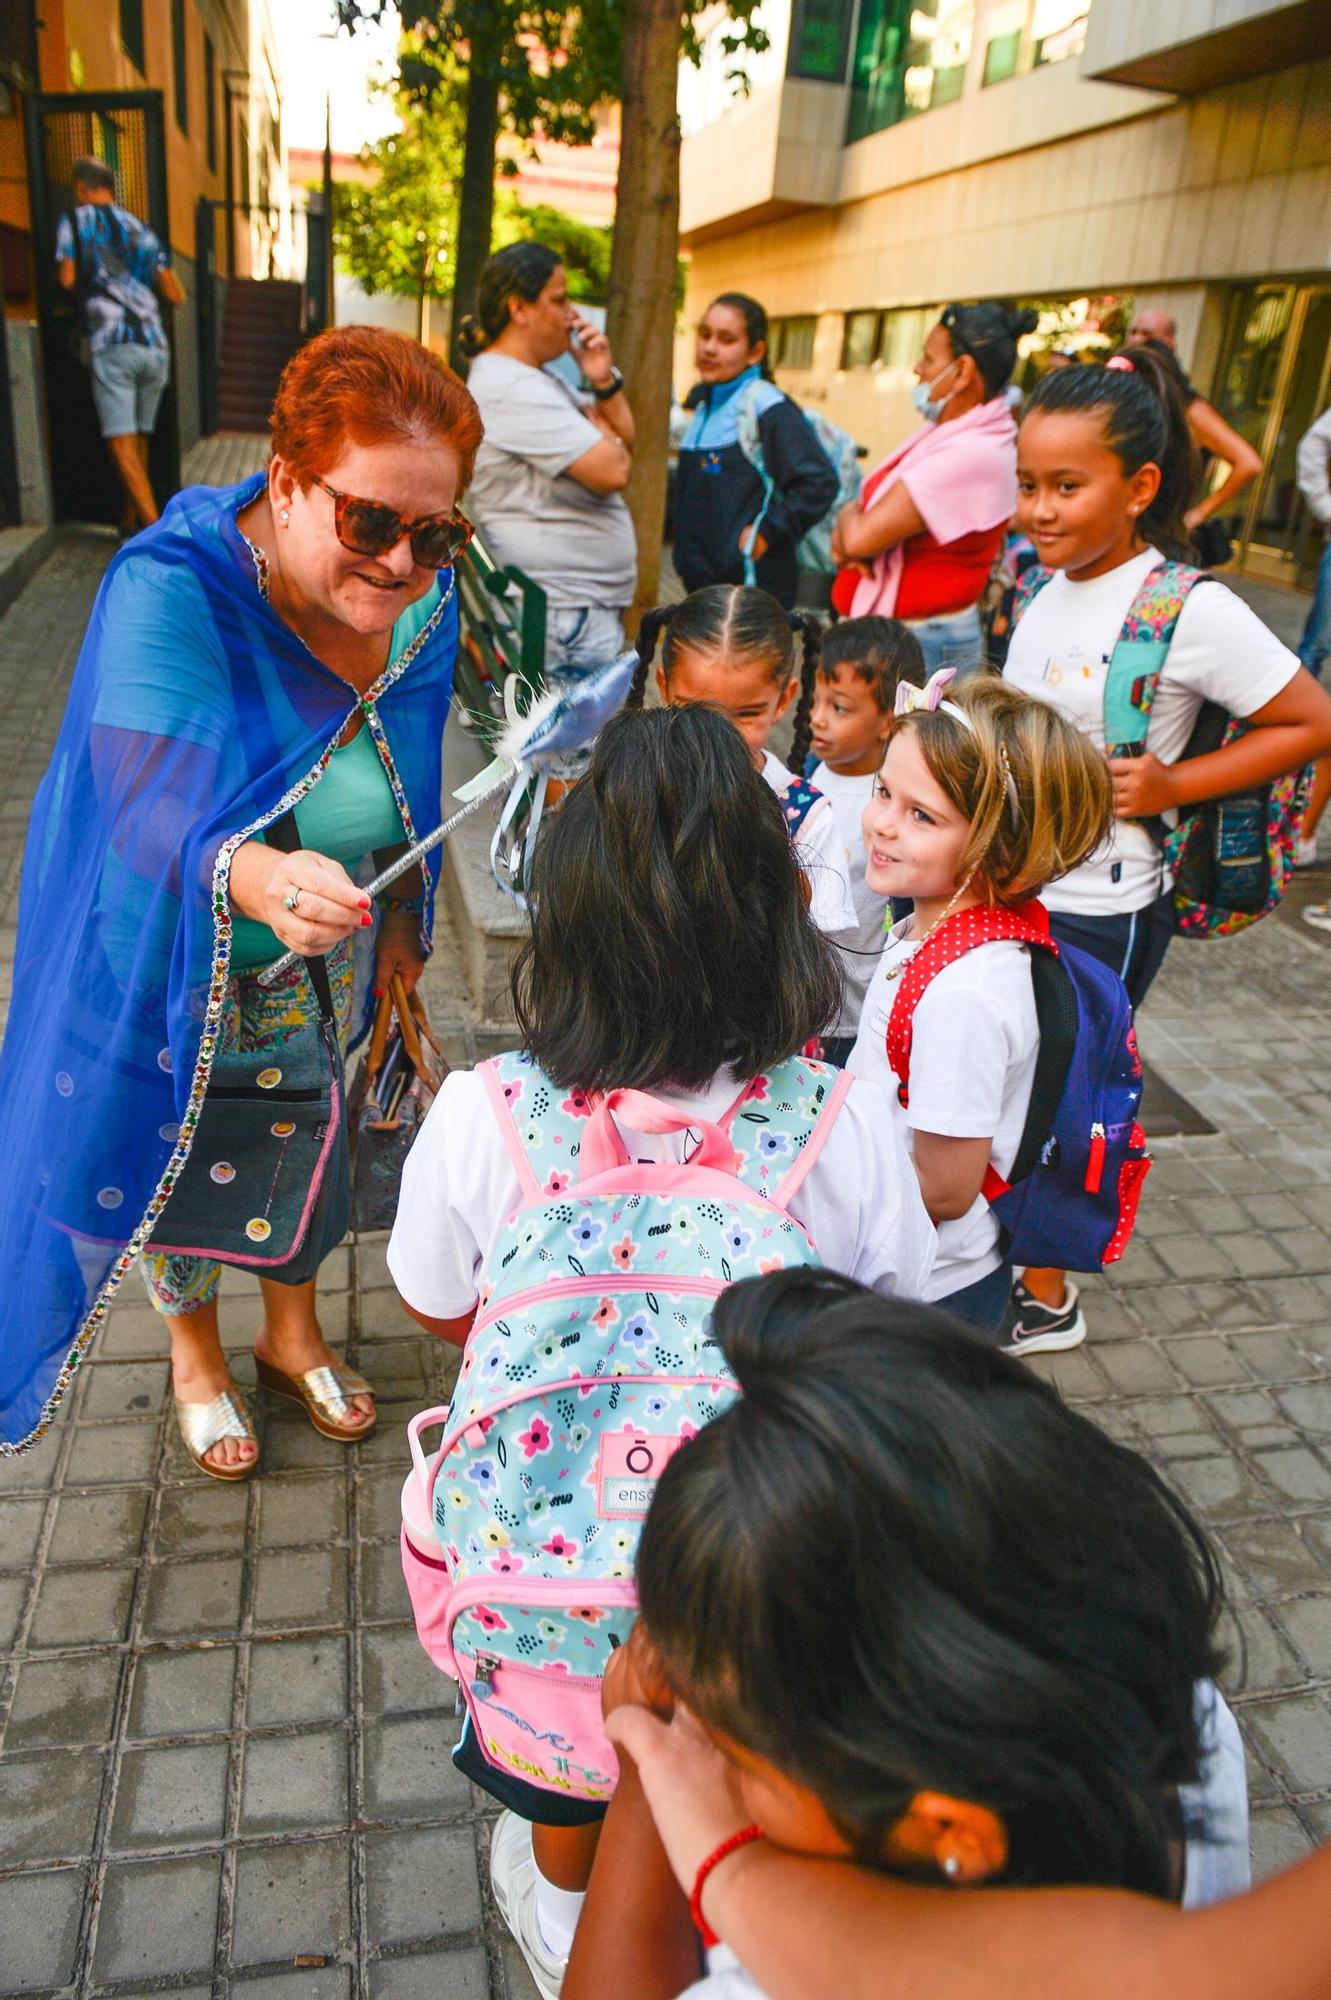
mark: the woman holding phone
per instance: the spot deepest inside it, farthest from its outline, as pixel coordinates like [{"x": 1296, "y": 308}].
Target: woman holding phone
[{"x": 548, "y": 493}]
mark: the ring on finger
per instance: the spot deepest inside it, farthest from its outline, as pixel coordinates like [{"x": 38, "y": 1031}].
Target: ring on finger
[{"x": 290, "y": 900}]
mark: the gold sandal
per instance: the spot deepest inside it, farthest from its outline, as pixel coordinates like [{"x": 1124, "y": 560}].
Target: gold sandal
[
  {"x": 202, "y": 1425},
  {"x": 326, "y": 1395}
]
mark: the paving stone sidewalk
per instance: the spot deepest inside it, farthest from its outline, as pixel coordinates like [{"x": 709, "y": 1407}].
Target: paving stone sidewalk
[{"x": 223, "y": 1756}]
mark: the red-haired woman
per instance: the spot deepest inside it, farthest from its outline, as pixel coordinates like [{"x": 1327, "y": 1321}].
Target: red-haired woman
[{"x": 257, "y": 710}]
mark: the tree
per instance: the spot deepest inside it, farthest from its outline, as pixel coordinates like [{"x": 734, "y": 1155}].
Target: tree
[
  {"x": 529, "y": 65},
  {"x": 641, "y": 319},
  {"x": 584, "y": 247},
  {"x": 395, "y": 233}
]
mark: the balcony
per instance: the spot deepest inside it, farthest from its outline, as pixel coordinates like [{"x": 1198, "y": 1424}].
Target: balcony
[
  {"x": 1188, "y": 46},
  {"x": 771, "y": 155}
]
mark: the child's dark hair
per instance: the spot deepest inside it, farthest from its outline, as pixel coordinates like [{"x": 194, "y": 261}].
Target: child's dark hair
[
  {"x": 899, "y": 1562},
  {"x": 881, "y": 652},
  {"x": 989, "y": 333},
  {"x": 754, "y": 317},
  {"x": 745, "y": 623},
  {"x": 519, "y": 269},
  {"x": 670, "y": 929},
  {"x": 1140, "y": 404}
]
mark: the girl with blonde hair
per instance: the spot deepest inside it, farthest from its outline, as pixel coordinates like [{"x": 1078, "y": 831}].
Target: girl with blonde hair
[{"x": 984, "y": 797}]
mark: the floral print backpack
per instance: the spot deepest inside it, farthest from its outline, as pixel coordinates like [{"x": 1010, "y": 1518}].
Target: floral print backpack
[
  {"x": 1231, "y": 858},
  {"x": 590, "y": 1362}
]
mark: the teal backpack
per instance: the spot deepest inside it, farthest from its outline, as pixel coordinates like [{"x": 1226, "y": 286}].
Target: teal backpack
[
  {"x": 815, "y": 551},
  {"x": 1232, "y": 857},
  {"x": 591, "y": 1361}
]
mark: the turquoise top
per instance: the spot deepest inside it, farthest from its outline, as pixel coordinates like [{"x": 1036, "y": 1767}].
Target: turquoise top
[{"x": 349, "y": 812}]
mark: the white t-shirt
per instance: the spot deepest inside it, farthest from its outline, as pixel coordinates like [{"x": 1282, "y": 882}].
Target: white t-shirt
[
  {"x": 578, "y": 545},
  {"x": 1060, "y": 651},
  {"x": 861, "y": 950},
  {"x": 972, "y": 1064},
  {"x": 860, "y": 1201},
  {"x": 821, "y": 854},
  {"x": 1214, "y": 1868}
]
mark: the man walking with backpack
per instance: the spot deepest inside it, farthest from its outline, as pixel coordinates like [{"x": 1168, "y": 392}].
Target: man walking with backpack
[{"x": 117, "y": 271}]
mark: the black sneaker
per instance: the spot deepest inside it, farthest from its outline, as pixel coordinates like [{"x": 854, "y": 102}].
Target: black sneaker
[{"x": 1031, "y": 1328}]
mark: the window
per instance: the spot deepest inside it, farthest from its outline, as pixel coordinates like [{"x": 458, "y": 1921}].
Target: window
[
  {"x": 859, "y": 342},
  {"x": 1005, "y": 24},
  {"x": 1057, "y": 29},
  {"x": 901, "y": 342},
  {"x": 131, "y": 31},
  {"x": 819, "y": 40},
  {"x": 210, "y": 103},
  {"x": 791, "y": 344},
  {"x": 908, "y": 59},
  {"x": 180, "y": 63}
]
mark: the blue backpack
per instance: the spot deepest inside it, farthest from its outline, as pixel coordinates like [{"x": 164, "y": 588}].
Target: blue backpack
[
  {"x": 842, "y": 453},
  {"x": 1070, "y": 1202}
]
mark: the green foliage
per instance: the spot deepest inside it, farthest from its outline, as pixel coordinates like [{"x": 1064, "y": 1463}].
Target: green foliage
[
  {"x": 396, "y": 233},
  {"x": 555, "y": 62},
  {"x": 584, "y": 247}
]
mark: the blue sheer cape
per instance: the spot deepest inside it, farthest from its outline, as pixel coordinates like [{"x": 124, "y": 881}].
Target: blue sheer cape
[{"x": 194, "y": 718}]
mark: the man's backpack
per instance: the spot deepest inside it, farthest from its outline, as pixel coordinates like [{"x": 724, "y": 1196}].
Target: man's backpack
[
  {"x": 591, "y": 1361},
  {"x": 1070, "y": 1200},
  {"x": 815, "y": 550},
  {"x": 1232, "y": 857}
]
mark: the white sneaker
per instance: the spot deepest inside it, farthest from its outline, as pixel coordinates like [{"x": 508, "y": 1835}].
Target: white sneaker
[
  {"x": 513, "y": 1879},
  {"x": 1318, "y": 915},
  {"x": 1305, "y": 851}
]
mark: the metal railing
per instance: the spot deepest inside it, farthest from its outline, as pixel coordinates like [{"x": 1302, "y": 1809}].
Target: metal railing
[{"x": 502, "y": 617}]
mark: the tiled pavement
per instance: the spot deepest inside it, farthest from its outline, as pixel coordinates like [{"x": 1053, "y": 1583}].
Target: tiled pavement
[{"x": 223, "y": 1764}]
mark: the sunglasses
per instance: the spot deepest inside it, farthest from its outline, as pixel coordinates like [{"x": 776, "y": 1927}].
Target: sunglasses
[{"x": 368, "y": 528}]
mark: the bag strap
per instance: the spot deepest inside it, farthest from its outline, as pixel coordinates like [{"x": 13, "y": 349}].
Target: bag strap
[
  {"x": 1028, "y": 587},
  {"x": 797, "y": 801},
  {"x": 1026, "y": 923},
  {"x": 284, "y": 834},
  {"x": 749, "y": 439},
  {"x": 603, "y": 1149},
  {"x": 1139, "y": 654},
  {"x": 1058, "y": 1018}
]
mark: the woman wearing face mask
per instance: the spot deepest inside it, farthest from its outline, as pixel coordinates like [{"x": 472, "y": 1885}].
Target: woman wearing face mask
[
  {"x": 725, "y": 509},
  {"x": 921, "y": 540}
]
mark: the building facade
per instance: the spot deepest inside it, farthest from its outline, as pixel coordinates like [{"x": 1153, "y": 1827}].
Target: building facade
[
  {"x": 888, "y": 157},
  {"x": 213, "y": 76}
]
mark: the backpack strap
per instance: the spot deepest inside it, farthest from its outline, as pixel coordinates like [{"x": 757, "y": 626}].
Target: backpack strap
[
  {"x": 517, "y": 1152},
  {"x": 749, "y": 439},
  {"x": 1026, "y": 923},
  {"x": 813, "y": 1145},
  {"x": 797, "y": 801},
  {"x": 1028, "y": 587},
  {"x": 1058, "y": 1017},
  {"x": 1138, "y": 658}
]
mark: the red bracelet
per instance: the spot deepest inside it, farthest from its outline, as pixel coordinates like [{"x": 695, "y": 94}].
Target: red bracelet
[{"x": 717, "y": 1855}]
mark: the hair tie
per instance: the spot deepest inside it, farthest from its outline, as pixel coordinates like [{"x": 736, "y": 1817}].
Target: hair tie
[{"x": 1121, "y": 363}]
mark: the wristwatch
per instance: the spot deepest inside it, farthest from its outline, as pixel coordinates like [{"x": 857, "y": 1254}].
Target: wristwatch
[{"x": 608, "y": 389}]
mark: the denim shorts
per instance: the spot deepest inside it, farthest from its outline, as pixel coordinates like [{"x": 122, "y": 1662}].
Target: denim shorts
[
  {"x": 128, "y": 382},
  {"x": 952, "y": 641}
]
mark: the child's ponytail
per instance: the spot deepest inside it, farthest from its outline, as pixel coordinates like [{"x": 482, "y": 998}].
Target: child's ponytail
[
  {"x": 1145, "y": 423},
  {"x": 812, "y": 634},
  {"x": 654, "y": 623}
]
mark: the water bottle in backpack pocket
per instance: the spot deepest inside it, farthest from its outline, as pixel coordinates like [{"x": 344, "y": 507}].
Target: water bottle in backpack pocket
[{"x": 589, "y": 1365}]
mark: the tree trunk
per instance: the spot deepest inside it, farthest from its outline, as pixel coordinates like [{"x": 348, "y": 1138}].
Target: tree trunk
[
  {"x": 642, "y": 266},
  {"x": 477, "y": 200}
]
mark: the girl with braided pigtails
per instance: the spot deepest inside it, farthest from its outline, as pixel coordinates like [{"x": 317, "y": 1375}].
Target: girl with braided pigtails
[{"x": 733, "y": 649}]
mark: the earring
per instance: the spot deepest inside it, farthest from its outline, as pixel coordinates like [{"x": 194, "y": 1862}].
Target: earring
[
  {"x": 951, "y": 1867},
  {"x": 285, "y": 516}
]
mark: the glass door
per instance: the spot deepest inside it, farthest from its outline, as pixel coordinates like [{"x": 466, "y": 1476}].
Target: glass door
[{"x": 1274, "y": 381}]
